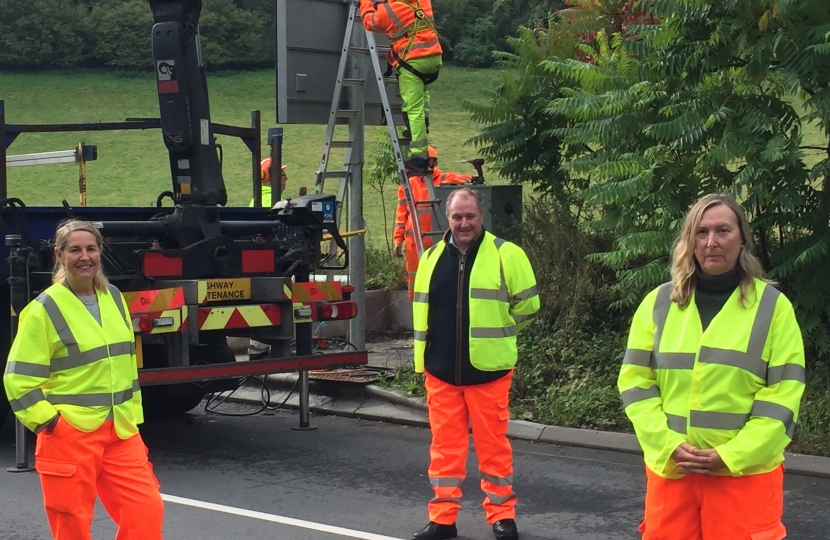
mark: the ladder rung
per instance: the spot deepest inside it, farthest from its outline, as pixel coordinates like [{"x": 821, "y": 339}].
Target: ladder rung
[
  {"x": 336, "y": 174},
  {"x": 390, "y": 80},
  {"x": 433, "y": 233},
  {"x": 428, "y": 202},
  {"x": 346, "y": 113},
  {"x": 341, "y": 144},
  {"x": 382, "y": 51},
  {"x": 353, "y": 82}
]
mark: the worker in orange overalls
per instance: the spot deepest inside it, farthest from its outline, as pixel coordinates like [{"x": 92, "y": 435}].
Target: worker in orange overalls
[
  {"x": 403, "y": 223},
  {"x": 265, "y": 176},
  {"x": 440, "y": 178},
  {"x": 72, "y": 379},
  {"x": 416, "y": 56}
]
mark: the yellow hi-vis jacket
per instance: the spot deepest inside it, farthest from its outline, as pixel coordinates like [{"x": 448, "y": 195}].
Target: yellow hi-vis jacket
[
  {"x": 63, "y": 361},
  {"x": 502, "y": 296},
  {"x": 735, "y": 387}
]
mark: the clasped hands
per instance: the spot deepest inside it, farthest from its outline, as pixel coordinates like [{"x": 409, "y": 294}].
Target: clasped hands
[{"x": 693, "y": 460}]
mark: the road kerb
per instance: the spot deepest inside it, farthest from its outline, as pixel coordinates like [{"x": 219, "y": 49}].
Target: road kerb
[{"x": 391, "y": 405}]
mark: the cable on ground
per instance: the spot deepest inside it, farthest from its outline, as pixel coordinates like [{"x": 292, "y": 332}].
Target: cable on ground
[{"x": 265, "y": 397}]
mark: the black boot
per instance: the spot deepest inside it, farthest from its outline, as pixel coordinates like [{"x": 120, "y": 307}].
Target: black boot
[
  {"x": 505, "y": 529},
  {"x": 436, "y": 531}
]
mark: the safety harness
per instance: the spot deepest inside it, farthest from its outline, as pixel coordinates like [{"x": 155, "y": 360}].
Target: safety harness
[{"x": 422, "y": 22}]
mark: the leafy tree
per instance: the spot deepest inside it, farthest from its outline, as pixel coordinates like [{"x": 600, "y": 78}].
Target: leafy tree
[
  {"x": 475, "y": 48},
  {"x": 453, "y": 18},
  {"x": 716, "y": 97},
  {"x": 471, "y": 29},
  {"x": 41, "y": 34},
  {"x": 231, "y": 35},
  {"x": 123, "y": 34},
  {"x": 527, "y": 13},
  {"x": 723, "y": 81},
  {"x": 381, "y": 174},
  {"x": 516, "y": 134},
  {"x": 588, "y": 17}
]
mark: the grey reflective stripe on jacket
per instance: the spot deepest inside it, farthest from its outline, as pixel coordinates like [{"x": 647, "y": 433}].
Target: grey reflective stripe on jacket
[
  {"x": 502, "y": 294},
  {"x": 101, "y": 399},
  {"x": 633, "y": 395},
  {"x": 116, "y": 296},
  {"x": 26, "y": 400},
  {"x": 751, "y": 361},
  {"x": 75, "y": 358},
  {"x": 660, "y": 313}
]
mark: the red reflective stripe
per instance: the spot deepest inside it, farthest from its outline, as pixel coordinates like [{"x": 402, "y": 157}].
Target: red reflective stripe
[
  {"x": 156, "y": 264},
  {"x": 255, "y": 261},
  {"x": 148, "y": 377}
]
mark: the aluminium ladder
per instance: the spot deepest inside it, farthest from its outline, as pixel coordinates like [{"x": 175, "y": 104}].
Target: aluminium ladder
[{"x": 352, "y": 42}]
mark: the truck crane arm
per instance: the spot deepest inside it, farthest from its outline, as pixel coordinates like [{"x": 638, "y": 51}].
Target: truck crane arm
[{"x": 183, "y": 103}]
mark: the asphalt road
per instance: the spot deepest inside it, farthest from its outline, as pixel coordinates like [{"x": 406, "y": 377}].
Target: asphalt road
[{"x": 255, "y": 477}]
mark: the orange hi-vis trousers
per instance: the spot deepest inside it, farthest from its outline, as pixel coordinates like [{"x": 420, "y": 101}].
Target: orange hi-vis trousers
[
  {"x": 451, "y": 409},
  {"x": 698, "y": 507},
  {"x": 75, "y": 467}
]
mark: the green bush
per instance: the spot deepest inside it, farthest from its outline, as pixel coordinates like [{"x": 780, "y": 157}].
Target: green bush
[
  {"x": 811, "y": 432},
  {"x": 569, "y": 357},
  {"x": 231, "y": 36},
  {"x": 41, "y": 34},
  {"x": 476, "y": 48},
  {"x": 383, "y": 270},
  {"x": 123, "y": 34}
]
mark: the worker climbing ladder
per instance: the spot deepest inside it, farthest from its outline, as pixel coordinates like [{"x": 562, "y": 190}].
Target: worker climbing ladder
[{"x": 352, "y": 72}]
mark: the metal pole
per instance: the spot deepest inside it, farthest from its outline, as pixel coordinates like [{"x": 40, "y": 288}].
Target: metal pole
[
  {"x": 256, "y": 157},
  {"x": 19, "y": 294},
  {"x": 275, "y": 141},
  {"x": 3, "y": 177},
  {"x": 79, "y": 156},
  {"x": 21, "y": 449},
  {"x": 357, "y": 244},
  {"x": 304, "y": 348}
]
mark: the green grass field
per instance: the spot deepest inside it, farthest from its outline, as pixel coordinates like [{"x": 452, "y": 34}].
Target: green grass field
[{"x": 132, "y": 166}]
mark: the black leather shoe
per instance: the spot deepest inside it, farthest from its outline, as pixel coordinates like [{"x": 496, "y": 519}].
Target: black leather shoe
[
  {"x": 505, "y": 529},
  {"x": 436, "y": 531}
]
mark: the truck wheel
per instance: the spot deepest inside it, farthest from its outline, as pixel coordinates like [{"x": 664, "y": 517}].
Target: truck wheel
[
  {"x": 169, "y": 401},
  {"x": 182, "y": 398},
  {"x": 177, "y": 399}
]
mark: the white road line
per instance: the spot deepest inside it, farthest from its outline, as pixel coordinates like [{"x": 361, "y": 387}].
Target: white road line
[{"x": 277, "y": 519}]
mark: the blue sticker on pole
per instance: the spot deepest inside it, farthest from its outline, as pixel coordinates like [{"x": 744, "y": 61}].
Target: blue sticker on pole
[{"x": 328, "y": 211}]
